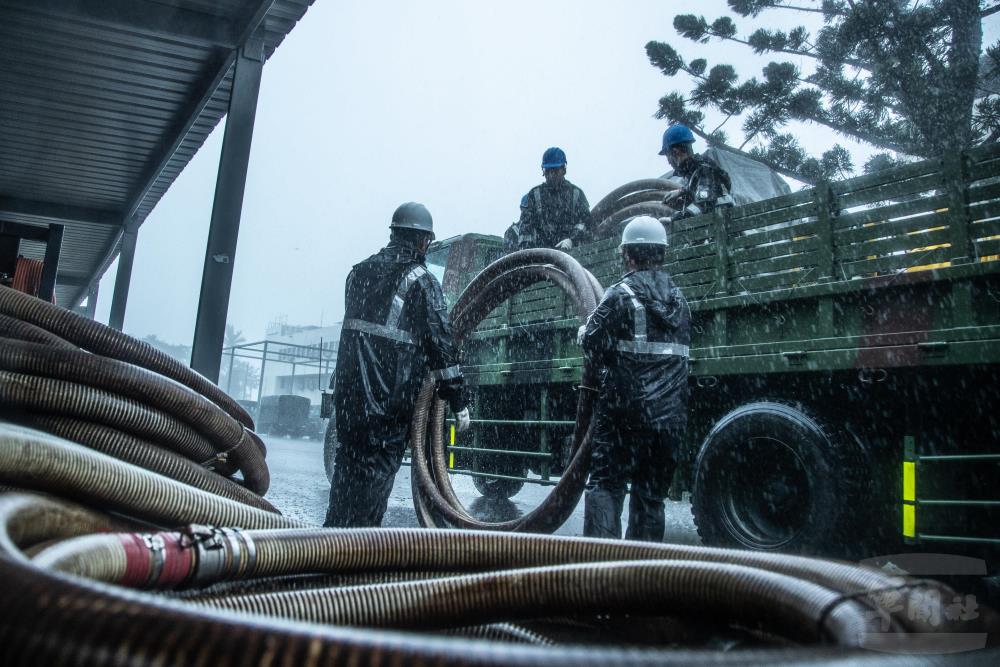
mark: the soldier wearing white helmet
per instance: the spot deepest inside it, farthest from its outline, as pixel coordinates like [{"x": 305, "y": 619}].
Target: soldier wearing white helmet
[{"x": 637, "y": 342}]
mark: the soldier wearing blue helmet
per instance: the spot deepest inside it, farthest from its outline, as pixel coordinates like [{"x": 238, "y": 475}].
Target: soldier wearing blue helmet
[
  {"x": 707, "y": 186},
  {"x": 554, "y": 214}
]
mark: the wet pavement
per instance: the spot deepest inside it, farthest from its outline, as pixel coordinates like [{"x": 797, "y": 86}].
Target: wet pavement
[{"x": 299, "y": 488}]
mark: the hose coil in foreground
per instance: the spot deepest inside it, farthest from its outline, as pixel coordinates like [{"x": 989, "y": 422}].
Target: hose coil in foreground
[
  {"x": 78, "y": 379},
  {"x": 318, "y": 596},
  {"x": 435, "y": 500},
  {"x": 47, "y": 617},
  {"x": 105, "y": 341}
]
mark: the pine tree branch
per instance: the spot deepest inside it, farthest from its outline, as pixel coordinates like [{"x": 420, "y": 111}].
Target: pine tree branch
[
  {"x": 989, "y": 11},
  {"x": 812, "y": 10},
  {"x": 719, "y": 126},
  {"x": 874, "y": 140},
  {"x": 747, "y": 140},
  {"x": 933, "y": 59},
  {"x": 794, "y": 52},
  {"x": 797, "y": 8}
]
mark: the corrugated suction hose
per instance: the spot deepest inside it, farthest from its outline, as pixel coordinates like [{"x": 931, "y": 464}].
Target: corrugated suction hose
[
  {"x": 63, "y": 598},
  {"x": 77, "y": 378},
  {"x": 642, "y": 197},
  {"x": 105, "y": 341},
  {"x": 435, "y": 500}
]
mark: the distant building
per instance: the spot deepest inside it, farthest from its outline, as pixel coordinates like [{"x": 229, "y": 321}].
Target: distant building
[{"x": 300, "y": 359}]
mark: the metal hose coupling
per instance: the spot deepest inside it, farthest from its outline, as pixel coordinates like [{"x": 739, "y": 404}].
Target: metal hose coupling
[
  {"x": 220, "y": 553},
  {"x": 197, "y": 555}
]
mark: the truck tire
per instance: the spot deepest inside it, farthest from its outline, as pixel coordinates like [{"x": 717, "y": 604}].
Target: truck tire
[
  {"x": 769, "y": 477},
  {"x": 498, "y": 464},
  {"x": 330, "y": 447},
  {"x": 497, "y": 488}
]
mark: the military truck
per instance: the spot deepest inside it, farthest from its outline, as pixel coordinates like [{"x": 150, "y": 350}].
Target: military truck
[
  {"x": 285, "y": 415},
  {"x": 844, "y": 364}
]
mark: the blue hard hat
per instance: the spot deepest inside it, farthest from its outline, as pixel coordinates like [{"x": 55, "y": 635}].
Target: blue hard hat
[
  {"x": 553, "y": 158},
  {"x": 676, "y": 134}
]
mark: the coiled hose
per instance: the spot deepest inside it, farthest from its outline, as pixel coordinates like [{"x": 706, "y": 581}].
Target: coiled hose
[
  {"x": 79, "y": 379},
  {"x": 105, "y": 341},
  {"x": 65, "y": 599},
  {"x": 642, "y": 197},
  {"x": 223, "y": 579},
  {"x": 435, "y": 500}
]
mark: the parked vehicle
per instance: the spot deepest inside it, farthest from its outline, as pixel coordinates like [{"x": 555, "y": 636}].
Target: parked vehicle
[
  {"x": 249, "y": 406},
  {"x": 284, "y": 415}
]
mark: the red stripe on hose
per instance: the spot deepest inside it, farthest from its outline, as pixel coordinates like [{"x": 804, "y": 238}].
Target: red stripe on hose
[
  {"x": 178, "y": 561},
  {"x": 136, "y": 560}
]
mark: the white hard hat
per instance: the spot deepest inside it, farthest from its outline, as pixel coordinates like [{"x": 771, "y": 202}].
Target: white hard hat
[{"x": 644, "y": 230}]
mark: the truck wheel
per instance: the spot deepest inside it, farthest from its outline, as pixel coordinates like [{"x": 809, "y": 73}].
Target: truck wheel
[
  {"x": 498, "y": 464},
  {"x": 769, "y": 477},
  {"x": 497, "y": 488},
  {"x": 330, "y": 447}
]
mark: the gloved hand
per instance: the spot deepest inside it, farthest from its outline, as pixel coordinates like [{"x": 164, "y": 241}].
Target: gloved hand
[
  {"x": 579, "y": 334},
  {"x": 464, "y": 420},
  {"x": 671, "y": 198},
  {"x": 565, "y": 244}
]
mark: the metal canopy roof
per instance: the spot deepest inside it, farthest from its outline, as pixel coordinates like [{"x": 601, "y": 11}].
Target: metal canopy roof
[{"x": 104, "y": 102}]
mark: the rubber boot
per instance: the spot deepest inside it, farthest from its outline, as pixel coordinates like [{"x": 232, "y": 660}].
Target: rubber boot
[
  {"x": 646, "y": 519},
  {"x": 602, "y": 514}
]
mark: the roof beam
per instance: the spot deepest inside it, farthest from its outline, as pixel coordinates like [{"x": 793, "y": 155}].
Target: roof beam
[
  {"x": 245, "y": 29},
  {"x": 199, "y": 101},
  {"x": 70, "y": 280},
  {"x": 149, "y": 18},
  {"x": 26, "y": 232},
  {"x": 41, "y": 209}
]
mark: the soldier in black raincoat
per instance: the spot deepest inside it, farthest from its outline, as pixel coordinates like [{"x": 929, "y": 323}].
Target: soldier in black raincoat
[
  {"x": 395, "y": 329},
  {"x": 637, "y": 343},
  {"x": 707, "y": 186},
  {"x": 555, "y": 214}
]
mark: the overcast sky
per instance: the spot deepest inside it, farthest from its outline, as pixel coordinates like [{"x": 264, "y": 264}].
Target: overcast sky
[{"x": 367, "y": 104}]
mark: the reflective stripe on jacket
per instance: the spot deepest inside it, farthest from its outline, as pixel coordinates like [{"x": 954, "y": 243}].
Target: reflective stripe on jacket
[
  {"x": 637, "y": 340},
  {"x": 550, "y": 214},
  {"x": 395, "y": 331}
]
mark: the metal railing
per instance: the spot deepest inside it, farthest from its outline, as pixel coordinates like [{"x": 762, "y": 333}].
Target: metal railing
[
  {"x": 912, "y": 502},
  {"x": 542, "y": 455}
]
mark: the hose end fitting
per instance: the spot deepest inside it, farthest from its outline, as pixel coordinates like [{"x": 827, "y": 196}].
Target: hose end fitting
[{"x": 220, "y": 553}]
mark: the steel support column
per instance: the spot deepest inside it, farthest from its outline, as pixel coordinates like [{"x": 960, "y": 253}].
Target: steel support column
[
  {"x": 229, "y": 376},
  {"x": 217, "y": 276},
  {"x": 90, "y": 310},
  {"x": 50, "y": 267},
  {"x": 126, "y": 254},
  {"x": 260, "y": 381}
]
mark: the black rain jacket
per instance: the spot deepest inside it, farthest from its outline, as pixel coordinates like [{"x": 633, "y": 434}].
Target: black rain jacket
[
  {"x": 708, "y": 186},
  {"x": 641, "y": 382},
  {"x": 550, "y": 214},
  {"x": 396, "y": 328}
]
